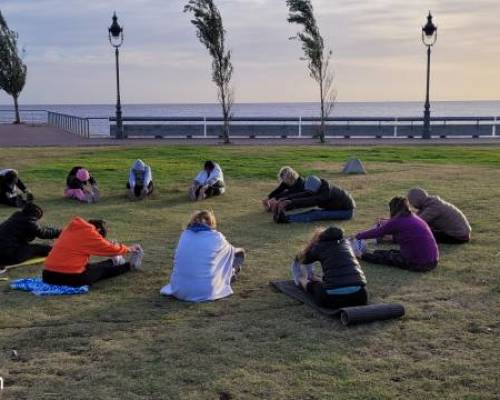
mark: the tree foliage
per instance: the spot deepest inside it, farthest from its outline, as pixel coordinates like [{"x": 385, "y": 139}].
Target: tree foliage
[
  {"x": 12, "y": 69},
  {"x": 210, "y": 31},
  {"x": 318, "y": 59}
]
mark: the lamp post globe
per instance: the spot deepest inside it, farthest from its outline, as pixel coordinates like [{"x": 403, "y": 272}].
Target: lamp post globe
[
  {"x": 429, "y": 38},
  {"x": 115, "y": 35}
]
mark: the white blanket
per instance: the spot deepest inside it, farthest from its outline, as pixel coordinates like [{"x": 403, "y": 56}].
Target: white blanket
[{"x": 203, "y": 267}]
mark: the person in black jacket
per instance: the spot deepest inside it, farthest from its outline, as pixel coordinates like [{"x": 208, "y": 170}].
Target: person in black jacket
[
  {"x": 343, "y": 283},
  {"x": 290, "y": 182},
  {"x": 332, "y": 202},
  {"x": 10, "y": 188},
  {"x": 19, "y": 230}
]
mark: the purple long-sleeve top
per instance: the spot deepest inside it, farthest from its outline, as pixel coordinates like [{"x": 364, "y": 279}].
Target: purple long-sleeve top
[{"x": 417, "y": 244}]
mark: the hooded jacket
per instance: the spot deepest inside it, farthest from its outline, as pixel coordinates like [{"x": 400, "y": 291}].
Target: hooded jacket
[
  {"x": 140, "y": 174},
  {"x": 77, "y": 243},
  {"x": 210, "y": 178},
  {"x": 328, "y": 197},
  {"x": 340, "y": 266},
  {"x": 440, "y": 215},
  {"x": 19, "y": 230}
]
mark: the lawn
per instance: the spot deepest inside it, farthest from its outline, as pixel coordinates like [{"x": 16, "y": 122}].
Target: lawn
[{"x": 124, "y": 341}]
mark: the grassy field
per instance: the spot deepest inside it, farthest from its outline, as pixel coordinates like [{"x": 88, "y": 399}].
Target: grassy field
[{"x": 124, "y": 341}]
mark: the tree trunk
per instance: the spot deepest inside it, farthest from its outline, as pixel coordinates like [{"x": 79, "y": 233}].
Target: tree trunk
[
  {"x": 322, "y": 126},
  {"x": 17, "y": 119},
  {"x": 225, "y": 114}
]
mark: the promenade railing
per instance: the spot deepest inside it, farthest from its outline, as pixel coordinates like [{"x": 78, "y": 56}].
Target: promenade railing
[
  {"x": 70, "y": 123},
  {"x": 307, "y": 127},
  {"x": 29, "y": 116}
]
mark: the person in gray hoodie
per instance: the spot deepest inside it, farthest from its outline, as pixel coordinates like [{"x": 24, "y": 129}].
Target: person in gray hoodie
[
  {"x": 140, "y": 181},
  {"x": 447, "y": 222}
]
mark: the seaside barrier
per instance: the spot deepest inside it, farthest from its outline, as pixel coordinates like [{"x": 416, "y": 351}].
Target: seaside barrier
[
  {"x": 69, "y": 123},
  {"x": 307, "y": 127}
]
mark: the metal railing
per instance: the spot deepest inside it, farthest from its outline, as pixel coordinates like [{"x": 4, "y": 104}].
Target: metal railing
[
  {"x": 70, "y": 123},
  {"x": 28, "y": 116},
  {"x": 307, "y": 127}
]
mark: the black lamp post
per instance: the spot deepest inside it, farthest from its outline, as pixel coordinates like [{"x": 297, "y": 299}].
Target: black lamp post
[
  {"x": 429, "y": 37},
  {"x": 115, "y": 33}
]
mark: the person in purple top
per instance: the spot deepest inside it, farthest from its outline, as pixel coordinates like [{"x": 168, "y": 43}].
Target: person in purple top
[{"x": 418, "y": 249}]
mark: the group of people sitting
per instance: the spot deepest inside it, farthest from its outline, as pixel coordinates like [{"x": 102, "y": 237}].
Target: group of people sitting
[{"x": 205, "y": 263}]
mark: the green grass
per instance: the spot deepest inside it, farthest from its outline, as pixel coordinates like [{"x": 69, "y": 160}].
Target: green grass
[{"x": 124, "y": 341}]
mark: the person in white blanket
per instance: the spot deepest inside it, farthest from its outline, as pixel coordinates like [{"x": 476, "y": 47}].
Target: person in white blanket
[
  {"x": 209, "y": 182},
  {"x": 205, "y": 263},
  {"x": 140, "y": 181}
]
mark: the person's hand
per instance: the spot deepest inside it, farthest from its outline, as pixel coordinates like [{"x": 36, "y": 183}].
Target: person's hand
[
  {"x": 29, "y": 196},
  {"x": 92, "y": 181},
  {"x": 134, "y": 247}
]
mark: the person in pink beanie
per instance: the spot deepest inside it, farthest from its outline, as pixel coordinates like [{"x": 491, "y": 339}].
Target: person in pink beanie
[{"x": 81, "y": 186}]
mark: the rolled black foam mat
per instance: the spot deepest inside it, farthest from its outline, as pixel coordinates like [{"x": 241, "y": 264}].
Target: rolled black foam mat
[
  {"x": 370, "y": 313},
  {"x": 348, "y": 315}
]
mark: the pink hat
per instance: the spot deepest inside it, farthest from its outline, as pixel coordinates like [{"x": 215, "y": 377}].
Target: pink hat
[{"x": 83, "y": 175}]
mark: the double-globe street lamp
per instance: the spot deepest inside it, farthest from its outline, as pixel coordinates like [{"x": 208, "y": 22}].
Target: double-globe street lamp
[
  {"x": 429, "y": 37},
  {"x": 115, "y": 33}
]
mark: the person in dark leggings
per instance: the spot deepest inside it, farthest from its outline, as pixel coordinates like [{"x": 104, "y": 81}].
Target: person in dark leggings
[
  {"x": 13, "y": 191},
  {"x": 68, "y": 262},
  {"x": 418, "y": 250},
  {"x": 17, "y": 233},
  {"x": 343, "y": 283}
]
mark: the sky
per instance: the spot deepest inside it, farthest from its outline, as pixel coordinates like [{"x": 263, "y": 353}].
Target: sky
[{"x": 378, "y": 54}]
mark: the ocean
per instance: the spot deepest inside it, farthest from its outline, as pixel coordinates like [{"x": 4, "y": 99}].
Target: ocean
[{"x": 342, "y": 109}]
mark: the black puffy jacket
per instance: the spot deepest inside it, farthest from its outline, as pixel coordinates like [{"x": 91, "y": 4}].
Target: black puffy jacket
[
  {"x": 19, "y": 229},
  {"x": 283, "y": 190},
  {"x": 340, "y": 266},
  {"x": 328, "y": 197}
]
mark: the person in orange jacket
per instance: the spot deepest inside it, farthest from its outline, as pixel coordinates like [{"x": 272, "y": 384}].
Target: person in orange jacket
[{"x": 68, "y": 262}]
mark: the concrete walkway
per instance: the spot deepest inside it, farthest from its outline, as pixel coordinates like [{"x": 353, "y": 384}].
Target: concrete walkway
[{"x": 45, "y": 136}]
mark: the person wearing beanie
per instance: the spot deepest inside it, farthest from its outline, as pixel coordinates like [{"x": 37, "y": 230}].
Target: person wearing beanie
[
  {"x": 343, "y": 283},
  {"x": 208, "y": 182},
  {"x": 17, "y": 233},
  {"x": 331, "y": 202},
  {"x": 140, "y": 181},
  {"x": 68, "y": 262},
  {"x": 290, "y": 182},
  {"x": 418, "y": 250},
  {"x": 448, "y": 224},
  {"x": 81, "y": 186},
  {"x": 13, "y": 191}
]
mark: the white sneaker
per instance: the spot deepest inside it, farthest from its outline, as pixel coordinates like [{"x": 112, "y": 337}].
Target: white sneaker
[
  {"x": 118, "y": 260},
  {"x": 136, "y": 258},
  {"x": 298, "y": 272},
  {"x": 359, "y": 247}
]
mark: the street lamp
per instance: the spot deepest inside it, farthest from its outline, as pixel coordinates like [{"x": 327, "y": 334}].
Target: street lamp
[
  {"x": 115, "y": 33},
  {"x": 429, "y": 37}
]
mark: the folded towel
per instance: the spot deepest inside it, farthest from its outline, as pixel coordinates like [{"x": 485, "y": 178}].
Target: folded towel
[{"x": 40, "y": 288}]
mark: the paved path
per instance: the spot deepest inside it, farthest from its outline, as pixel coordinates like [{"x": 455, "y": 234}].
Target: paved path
[{"x": 45, "y": 136}]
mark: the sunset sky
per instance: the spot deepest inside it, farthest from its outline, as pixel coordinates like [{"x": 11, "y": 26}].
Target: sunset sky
[{"x": 377, "y": 50}]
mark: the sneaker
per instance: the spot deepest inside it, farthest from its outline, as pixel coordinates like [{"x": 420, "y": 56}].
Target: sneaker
[
  {"x": 192, "y": 193},
  {"x": 118, "y": 260},
  {"x": 359, "y": 247},
  {"x": 136, "y": 258},
  {"x": 298, "y": 272},
  {"x": 310, "y": 271},
  {"x": 280, "y": 217}
]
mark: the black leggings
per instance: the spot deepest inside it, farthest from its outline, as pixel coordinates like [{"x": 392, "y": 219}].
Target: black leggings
[
  {"x": 335, "y": 301},
  {"x": 93, "y": 273},
  {"x": 24, "y": 253},
  {"x": 213, "y": 190},
  {"x": 138, "y": 189},
  {"x": 394, "y": 258},
  {"x": 16, "y": 201},
  {"x": 442, "y": 237}
]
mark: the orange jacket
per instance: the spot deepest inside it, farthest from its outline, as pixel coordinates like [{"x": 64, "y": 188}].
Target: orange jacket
[{"x": 77, "y": 243}]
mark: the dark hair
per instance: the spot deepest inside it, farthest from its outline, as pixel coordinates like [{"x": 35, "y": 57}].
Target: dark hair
[
  {"x": 11, "y": 177},
  {"x": 32, "y": 210},
  {"x": 399, "y": 206},
  {"x": 209, "y": 165},
  {"x": 100, "y": 225}
]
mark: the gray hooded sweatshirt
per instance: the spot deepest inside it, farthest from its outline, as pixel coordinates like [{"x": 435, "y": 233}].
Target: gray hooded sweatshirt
[{"x": 440, "y": 215}]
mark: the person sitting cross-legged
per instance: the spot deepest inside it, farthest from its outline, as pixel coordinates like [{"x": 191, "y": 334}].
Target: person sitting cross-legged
[
  {"x": 448, "y": 224},
  {"x": 140, "y": 181},
  {"x": 208, "y": 182},
  {"x": 19, "y": 231},
  {"x": 332, "y": 202},
  {"x": 343, "y": 283},
  {"x": 418, "y": 250},
  {"x": 205, "y": 263},
  {"x": 68, "y": 262}
]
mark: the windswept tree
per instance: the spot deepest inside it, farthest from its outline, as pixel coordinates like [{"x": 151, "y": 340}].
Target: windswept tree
[
  {"x": 318, "y": 59},
  {"x": 210, "y": 30},
  {"x": 12, "y": 69}
]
